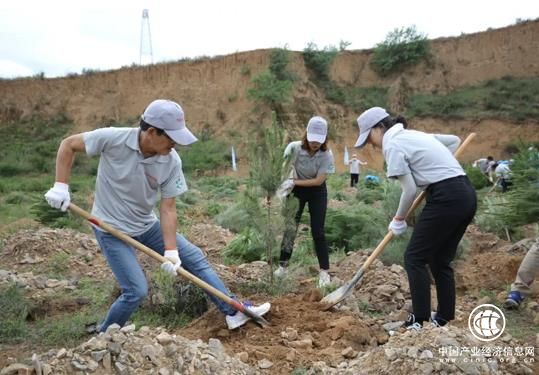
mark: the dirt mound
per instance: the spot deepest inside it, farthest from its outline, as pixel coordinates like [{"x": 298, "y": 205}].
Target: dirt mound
[
  {"x": 27, "y": 250},
  {"x": 300, "y": 333},
  {"x": 146, "y": 351},
  {"x": 446, "y": 350}
]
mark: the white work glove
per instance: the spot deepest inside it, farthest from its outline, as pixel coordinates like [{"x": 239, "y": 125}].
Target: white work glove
[
  {"x": 173, "y": 262},
  {"x": 286, "y": 188},
  {"x": 58, "y": 196},
  {"x": 398, "y": 227}
]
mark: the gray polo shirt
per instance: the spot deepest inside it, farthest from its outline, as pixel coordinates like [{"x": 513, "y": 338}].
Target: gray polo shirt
[
  {"x": 307, "y": 166},
  {"x": 427, "y": 157},
  {"x": 128, "y": 185}
]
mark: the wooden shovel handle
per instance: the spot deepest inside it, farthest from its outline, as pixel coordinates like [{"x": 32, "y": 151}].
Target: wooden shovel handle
[{"x": 146, "y": 250}]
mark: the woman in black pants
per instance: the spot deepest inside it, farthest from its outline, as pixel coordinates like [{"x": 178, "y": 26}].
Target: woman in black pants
[
  {"x": 312, "y": 161},
  {"x": 426, "y": 161}
]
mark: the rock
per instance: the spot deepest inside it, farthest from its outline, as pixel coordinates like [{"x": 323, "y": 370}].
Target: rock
[
  {"x": 301, "y": 344},
  {"x": 426, "y": 368},
  {"x": 349, "y": 353},
  {"x": 107, "y": 361},
  {"x": 121, "y": 368},
  {"x": 483, "y": 300},
  {"x": 128, "y": 329},
  {"x": 216, "y": 347},
  {"x": 113, "y": 328},
  {"x": 164, "y": 338},
  {"x": 291, "y": 355},
  {"x": 391, "y": 354},
  {"x": 61, "y": 353},
  {"x": 467, "y": 367},
  {"x": 243, "y": 356},
  {"x": 15, "y": 369},
  {"x": 426, "y": 354},
  {"x": 223, "y": 333},
  {"x": 264, "y": 364},
  {"x": 291, "y": 334},
  {"x": 148, "y": 351},
  {"x": 336, "y": 333},
  {"x": 392, "y": 326},
  {"x": 413, "y": 352}
]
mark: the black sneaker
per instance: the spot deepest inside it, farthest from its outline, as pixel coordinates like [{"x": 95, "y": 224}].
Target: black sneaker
[
  {"x": 411, "y": 325},
  {"x": 436, "y": 320}
]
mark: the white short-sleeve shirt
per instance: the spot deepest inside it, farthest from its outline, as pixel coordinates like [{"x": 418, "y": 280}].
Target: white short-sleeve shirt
[
  {"x": 422, "y": 155},
  {"x": 128, "y": 185},
  {"x": 354, "y": 166}
]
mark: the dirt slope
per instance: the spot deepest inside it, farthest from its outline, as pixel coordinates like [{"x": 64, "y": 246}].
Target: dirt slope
[{"x": 213, "y": 91}]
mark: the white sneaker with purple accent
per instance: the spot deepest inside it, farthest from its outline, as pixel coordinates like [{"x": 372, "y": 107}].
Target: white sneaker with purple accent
[{"x": 239, "y": 318}]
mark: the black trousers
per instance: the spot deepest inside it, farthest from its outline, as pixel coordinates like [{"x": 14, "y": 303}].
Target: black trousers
[
  {"x": 354, "y": 179},
  {"x": 450, "y": 207},
  {"x": 505, "y": 184},
  {"x": 317, "y": 199}
]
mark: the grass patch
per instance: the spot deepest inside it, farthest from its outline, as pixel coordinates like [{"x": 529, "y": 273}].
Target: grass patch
[
  {"x": 58, "y": 265},
  {"x": 280, "y": 287},
  {"x": 510, "y": 98},
  {"x": 14, "y": 311},
  {"x": 520, "y": 325},
  {"x": 367, "y": 309}
]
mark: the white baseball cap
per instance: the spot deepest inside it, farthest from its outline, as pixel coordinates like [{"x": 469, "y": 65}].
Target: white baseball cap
[
  {"x": 366, "y": 122},
  {"x": 317, "y": 130},
  {"x": 168, "y": 116}
]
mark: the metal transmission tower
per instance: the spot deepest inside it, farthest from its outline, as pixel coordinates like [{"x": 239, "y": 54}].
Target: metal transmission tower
[{"x": 146, "y": 53}]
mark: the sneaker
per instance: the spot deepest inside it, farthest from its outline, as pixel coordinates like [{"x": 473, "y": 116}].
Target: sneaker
[
  {"x": 92, "y": 328},
  {"x": 436, "y": 321},
  {"x": 323, "y": 279},
  {"x": 239, "y": 318},
  {"x": 411, "y": 325},
  {"x": 280, "y": 272},
  {"x": 513, "y": 301}
]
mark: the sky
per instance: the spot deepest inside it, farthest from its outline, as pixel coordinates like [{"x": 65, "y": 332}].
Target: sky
[{"x": 60, "y": 37}]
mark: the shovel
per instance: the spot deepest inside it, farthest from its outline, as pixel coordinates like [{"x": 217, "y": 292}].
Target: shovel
[
  {"x": 145, "y": 249},
  {"x": 341, "y": 293}
]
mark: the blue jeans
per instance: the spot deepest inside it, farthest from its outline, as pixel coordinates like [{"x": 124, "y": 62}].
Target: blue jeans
[{"x": 123, "y": 262}]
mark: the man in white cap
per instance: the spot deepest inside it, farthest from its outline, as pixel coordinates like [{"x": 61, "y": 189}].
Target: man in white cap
[
  {"x": 138, "y": 166},
  {"x": 354, "y": 169}
]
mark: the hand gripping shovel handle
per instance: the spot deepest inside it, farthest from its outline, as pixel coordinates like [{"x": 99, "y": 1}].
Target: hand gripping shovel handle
[
  {"x": 145, "y": 249},
  {"x": 342, "y": 292}
]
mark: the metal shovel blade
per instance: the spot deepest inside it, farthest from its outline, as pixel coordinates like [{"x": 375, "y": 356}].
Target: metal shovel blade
[{"x": 341, "y": 293}]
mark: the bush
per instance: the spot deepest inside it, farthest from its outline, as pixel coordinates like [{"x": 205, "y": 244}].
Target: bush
[
  {"x": 319, "y": 61},
  {"x": 476, "y": 177},
  {"x": 490, "y": 216},
  {"x": 354, "y": 227},
  {"x": 269, "y": 90},
  {"x": 401, "y": 48},
  {"x": 278, "y": 62},
  {"x": 205, "y": 155},
  {"x": 247, "y": 246},
  {"x": 14, "y": 311},
  {"x": 236, "y": 218}
]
